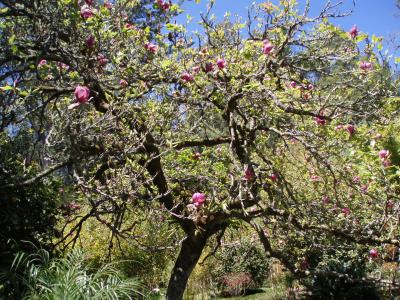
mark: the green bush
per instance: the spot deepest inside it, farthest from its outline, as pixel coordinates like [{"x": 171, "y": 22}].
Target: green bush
[
  {"x": 342, "y": 276},
  {"x": 67, "y": 278},
  {"x": 240, "y": 264}
]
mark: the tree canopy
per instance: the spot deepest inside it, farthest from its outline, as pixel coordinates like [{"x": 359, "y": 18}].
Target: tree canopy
[{"x": 282, "y": 121}]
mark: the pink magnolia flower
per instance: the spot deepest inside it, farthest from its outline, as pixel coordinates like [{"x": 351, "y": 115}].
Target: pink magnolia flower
[
  {"x": 221, "y": 63},
  {"x": 151, "y": 47},
  {"x": 249, "y": 173},
  {"x": 130, "y": 26},
  {"x": 384, "y": 154},
  {"x": 320, "y": 120},
  {"x": 102, "y": 60},
  {"x": 90, "y": 41},
  {"x": 267, "y": 47},
  {"x": 315, "y": 178},
  {"x": 310, "y": 87},
  {"x": 198, "y": 199},
  {"x": 82, "y": 94},
  {"x": 364, "y": 188},
  {"x": 123, "y": 83},
  {"x": 373, "y": 253},
  {"x": 346, "y": 211},
  {"x": 209, "y": 67},
  {"x": 74, "y": 206},
  {"x": 124, "y": 15},
  {"x": 365, "y": 66},
  {"x": 353, "y": 31},
  {"x": 196, "y": 69},
  {"x": 42, "y": 63},
  {"x": 164, "y": 5},
  {"x": 338, "y": 127},
  {"x": 273, "y": 177},
  {"x": 89, "y": 2},
  {"x": 86, "y": 12},
  {"x": 63, "y": 66},
  {"x": 356, "y": 179},
  {"x": 187, "y": 77},
  {"x": 293, "y": 84},
  {"x": 108, "y": 5},
  {"x": 49, "y": 77},
  {"x": 351, "y": 129}
]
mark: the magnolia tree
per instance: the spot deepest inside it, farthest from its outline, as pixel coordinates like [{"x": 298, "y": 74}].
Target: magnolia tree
[{"x": 277, "y": 121}]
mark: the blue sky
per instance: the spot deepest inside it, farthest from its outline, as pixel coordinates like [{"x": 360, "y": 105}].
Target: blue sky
[{"x": 371, "y": 16}]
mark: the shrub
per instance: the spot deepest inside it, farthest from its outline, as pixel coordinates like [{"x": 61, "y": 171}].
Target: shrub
[
  {"x": 234, "y": 284},
  {"x": 240, "y": 266},
  {"x": 67, "y": 278},
  {"x": 342, "y": 276}
]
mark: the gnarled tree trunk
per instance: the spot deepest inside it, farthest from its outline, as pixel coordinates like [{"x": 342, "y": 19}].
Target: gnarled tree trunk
[{"x": 191, "y": 249}]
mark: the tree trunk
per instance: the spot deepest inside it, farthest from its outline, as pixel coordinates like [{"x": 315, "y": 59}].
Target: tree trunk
[{"x": 191, "y": 249}]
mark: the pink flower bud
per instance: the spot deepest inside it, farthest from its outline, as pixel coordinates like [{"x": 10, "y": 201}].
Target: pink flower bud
[
  {"x": 153, "y": 48},
  {"x": 273, "y": 177},
  {"x": 351, "y": 129},
  {"x": 74, "y": 206},
  {"x": 293, "y": 84},
  {"x": 102, "y": 60},
  {"x": 365, "y": 66},
  {"x": 163, "y": 4},
  {"x": 63, "y": 66},
  {"x": 198, "y": 199},
  {"x": 346, "y": 211},
  {"x": 353, "y": 32},
  {"x": 338, "y": 127},
  {"x": 384, "y": 154},
  {"x": 315, "y": 178},
  {"x": 123, "y": 83},
  {"x": 82, "y": 94},
  {"x": 221, "y": 63},
  {"x": 130, "y": 26},
  {"x": 267, "y": 47},
  {"x": 373, "y": 253},
  {"x": 386, "y": 163},
  {"x": 108, "y": 5},
  {"x": 249, "y": 173},
  {"x": 187, "y": 77},
  {"x": 42, "y": 62},
  {"x": 196, "y": 69},
  {"x": 389, "y": 204},
  {"x": 364, "y": 188},
  {"x": 209, "y": 67},
  {"x": 320, "y": 120},
  {"x": 86, "y": 12},
  {"x": 90, "y": 41}
]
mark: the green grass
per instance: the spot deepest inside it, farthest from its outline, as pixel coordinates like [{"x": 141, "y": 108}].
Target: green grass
[{"x": 269, "y": 293}]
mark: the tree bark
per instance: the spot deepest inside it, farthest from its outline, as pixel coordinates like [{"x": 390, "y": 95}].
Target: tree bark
[{"x": 191, "y": 249}]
